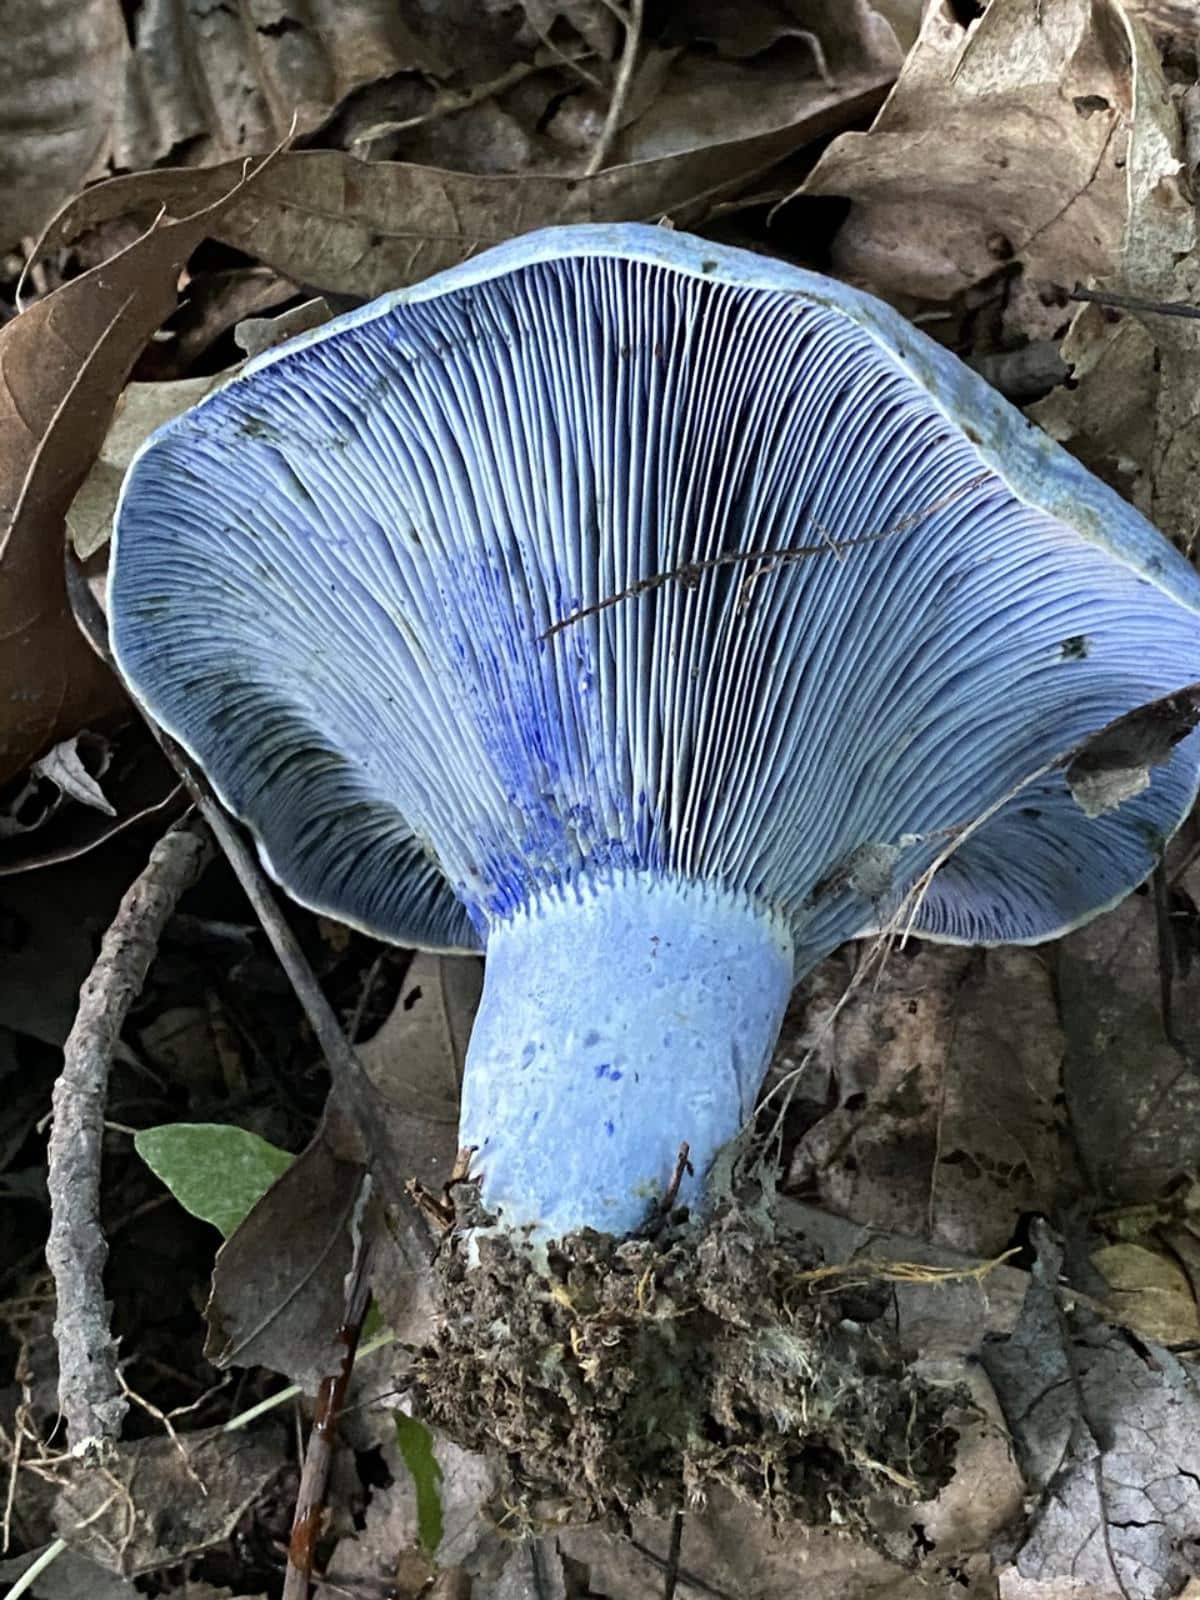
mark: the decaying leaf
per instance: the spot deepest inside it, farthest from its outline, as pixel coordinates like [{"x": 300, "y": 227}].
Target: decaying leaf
[
  {"x": 40, "y": 825},
  {"x": 159, "y": 1500},
  {"x": 278, "y": 1286},
  {"x": 75, "y": 767},
  {"x": 62, "y": 366},
  {"x": 278, "y": 1282},
  {"x": 141, "y": 408},
  {"x": 1129, "y": 411},
  {"x": 68, "y": 771},
  {"x": 400, "y": 1520},
  {"x": 1150, "y": 1293},
  {"x": 256, "y": 334},
  {"x": 1108, "y": 1434},
  {"x": 416, "y": 1057},
  {"x": 1116, "y": 762},
  {"x": 61, "y": 75},
  {"x": 227, "y": 80},
  {"x": 1001, "y": 149},
  {"x": 350, "y": 227},
  {"x": 1131, "y": 1099},
  {"x": 772, "y": 65},
  {"x": 69, "y": 1577},
  {"x": 942, "y": 1076}
]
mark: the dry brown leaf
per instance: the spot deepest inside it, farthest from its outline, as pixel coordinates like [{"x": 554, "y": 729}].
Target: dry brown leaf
[
  {"x": 415, "y": 1059},
  {"x": 1001, "y": 146},
  {"x": 159, "y": 1500},
  {"x": 942, "y": 1077},
  {"x": 1130, "y": 412},
  {"x": 278, "y": 1284},
  {"x": 278, "y": 1281},
  {"x": 60, "y": 84},
  {"x": 62, "y": 366},
  {"x": 227, "y": 80},
  {"x": 843, "y": 30},
  {"x": 141, "y": 408},
  {"x": 770, "y": 66},
  {"x": 415, "y": 1063},
  {"x": 1132, "y": 1099},
  {"x": 346, "y": 226},
  {"x": 1149, "y": 1293}
]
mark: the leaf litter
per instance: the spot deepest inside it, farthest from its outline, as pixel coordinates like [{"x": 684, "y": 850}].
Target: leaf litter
[{"x": 949, "y": 1098}]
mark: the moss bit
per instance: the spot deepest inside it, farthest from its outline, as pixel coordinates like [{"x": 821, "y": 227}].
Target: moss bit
[{"x": 632, "y": 1376}]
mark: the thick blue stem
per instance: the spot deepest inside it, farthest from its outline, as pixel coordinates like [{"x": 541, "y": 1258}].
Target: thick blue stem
[{"x": 618, "y": 1021}]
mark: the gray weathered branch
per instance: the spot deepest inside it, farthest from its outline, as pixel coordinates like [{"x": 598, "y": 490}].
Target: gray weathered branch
[{"x": 89, "y": 1390}]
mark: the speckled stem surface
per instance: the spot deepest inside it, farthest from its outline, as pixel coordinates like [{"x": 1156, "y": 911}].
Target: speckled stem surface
[{"x": 619, "y": 1020}]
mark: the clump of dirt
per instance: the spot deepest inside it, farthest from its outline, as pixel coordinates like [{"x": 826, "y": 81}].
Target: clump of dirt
[{"x": 622, "y": 1376}]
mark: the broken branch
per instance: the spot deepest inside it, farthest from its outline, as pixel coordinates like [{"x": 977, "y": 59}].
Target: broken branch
[{"x": 89, "y": 1387}]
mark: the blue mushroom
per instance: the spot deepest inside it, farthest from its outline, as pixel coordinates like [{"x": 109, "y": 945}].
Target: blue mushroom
[{"x": 651, "y": 616}]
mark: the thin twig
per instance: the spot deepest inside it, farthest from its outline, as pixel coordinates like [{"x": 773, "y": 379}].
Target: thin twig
[
  {"x": 616, "y": 105},
  {"x": 682, "y": 1165},
  {"x": 690, "y": 572},
  {"x": 674, "y": 1549},
  {"x": 451, "y": 101},
  {"x": 366, "y": 994},
  {"x": 318, "y": 1457},
  {"x": 1133, "y": 302},
  {"x": 692, "y": 1579},
  {"x": 1166, "y": 948},
  {"x": 89, "y": 1387}
]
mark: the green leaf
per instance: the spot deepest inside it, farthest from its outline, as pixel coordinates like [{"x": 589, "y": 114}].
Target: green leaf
[
  {"x": 215, "y": 1171},
  {"x": 416, "y": 1451}
]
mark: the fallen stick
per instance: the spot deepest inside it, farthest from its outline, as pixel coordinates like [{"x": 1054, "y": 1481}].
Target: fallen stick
[
  {"x": 309, "y": 1514},
  {"x": 89, "y": 1390}
]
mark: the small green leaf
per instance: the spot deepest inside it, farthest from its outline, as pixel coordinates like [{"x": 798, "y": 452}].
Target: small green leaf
[
  {"x": 416, "y": 1451},
  {"x": 215, "y": 1171}
]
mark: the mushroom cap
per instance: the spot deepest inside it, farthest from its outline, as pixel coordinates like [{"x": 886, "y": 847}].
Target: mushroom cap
[{"x": 339, "y": 582}]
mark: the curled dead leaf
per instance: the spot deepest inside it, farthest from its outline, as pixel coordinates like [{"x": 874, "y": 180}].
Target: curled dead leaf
[
  {"x": 1115, "y": 763},
  {"x": 1001, "y": 148},
  {"x": 63, "y": 364},
  {"x": 61, "y": 75},
  {"x": 345, "y": 226}
]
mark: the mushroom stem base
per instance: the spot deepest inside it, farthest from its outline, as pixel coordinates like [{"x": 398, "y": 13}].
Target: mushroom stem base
[{"x": 619, "y": 1021}]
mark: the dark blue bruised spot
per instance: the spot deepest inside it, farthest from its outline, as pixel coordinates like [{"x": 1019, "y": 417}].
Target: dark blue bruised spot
[
  {"x": 609, "y": 1128},
  {"x": 607, "y": 1070},
  {"x": 534, "y": 1118}
]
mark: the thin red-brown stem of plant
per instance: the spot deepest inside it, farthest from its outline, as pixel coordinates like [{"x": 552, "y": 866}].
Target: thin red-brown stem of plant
[{"x": 318, "y": 1456}]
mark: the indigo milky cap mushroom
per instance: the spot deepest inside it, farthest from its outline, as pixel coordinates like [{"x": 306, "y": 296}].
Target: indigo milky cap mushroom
[{"x": 345, "y": 582}]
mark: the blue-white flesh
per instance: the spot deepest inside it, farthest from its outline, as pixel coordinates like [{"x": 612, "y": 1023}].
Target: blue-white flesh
[
  {"x": 705, "y": 976},
  {"x": 337, "y": 581}
]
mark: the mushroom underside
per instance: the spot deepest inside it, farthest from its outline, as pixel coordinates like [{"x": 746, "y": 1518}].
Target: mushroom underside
[{"x": 596, "y": 579}]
